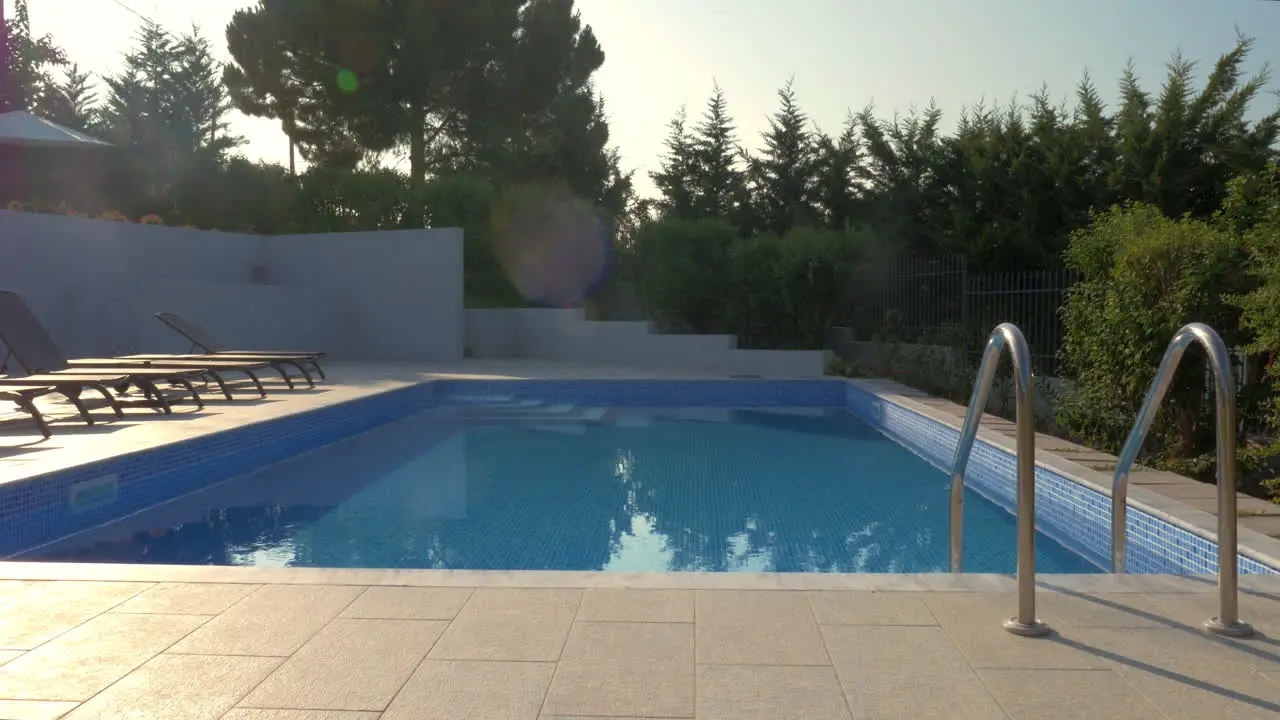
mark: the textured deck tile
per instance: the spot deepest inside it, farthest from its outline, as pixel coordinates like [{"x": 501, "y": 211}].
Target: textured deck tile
[
  {"x": 1261, "y": 611},
  {"x": 1068, "y": 695},
  {"x": 472, "y": 690},
  {"x": 275, "y": 714},
  {"x": 974, "y": 624},
  {"x": 856, "y": 608},
  {"x": 1061, "y": 610},
  {"x": 644, "y": 688},
  {"x": 34, "y": 709},
  {"x": 1189, "y": 674},
  {"x": 178, "y": 687},
  {"x": 407, "y": 603},
  {"x": 609, "y": 641},
  {"x": 510, "y": 624},
  {"x": 89, "y": 658},
  {"x": 351, "y": 664},
  {"x": 763, "y": 692},
  {"x": 186, "y": 599},
  {"x": 906, "y": 672},
  {"x": 274, "y": 620},
  {"x": 757, "y": 628},
  {"x": 43, "y": 611},
  {"x": 614, "y": 668},
  {"x": 13, "y": 589},
  {"x": 627, "y": 605}
]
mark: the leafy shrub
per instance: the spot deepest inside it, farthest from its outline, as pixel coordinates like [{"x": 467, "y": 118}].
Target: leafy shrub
[
  {"x": 1145, "y": 276},
  {"x": 681, "y": 271},
  {"x": 787, "y": 292}
]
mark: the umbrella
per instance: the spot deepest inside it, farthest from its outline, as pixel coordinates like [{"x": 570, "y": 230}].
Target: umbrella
[{"x": 22, "y": 128}]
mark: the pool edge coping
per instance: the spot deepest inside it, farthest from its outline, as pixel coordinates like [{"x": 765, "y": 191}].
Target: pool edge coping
[{"x": 1099, "y": 583}]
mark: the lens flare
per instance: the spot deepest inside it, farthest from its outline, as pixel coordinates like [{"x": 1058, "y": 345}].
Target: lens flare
[
  {"x": 554, "y": 247},
  {"x": 347, "y": 81}
]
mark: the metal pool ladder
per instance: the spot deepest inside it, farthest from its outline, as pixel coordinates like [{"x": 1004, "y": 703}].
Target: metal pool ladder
[
  {"x": 1228, "y": 620},
  {"x": 1005, "y": 335}
]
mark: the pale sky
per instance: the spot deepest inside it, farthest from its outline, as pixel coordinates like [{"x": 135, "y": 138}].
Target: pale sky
[{"x": 842, "y": 53}]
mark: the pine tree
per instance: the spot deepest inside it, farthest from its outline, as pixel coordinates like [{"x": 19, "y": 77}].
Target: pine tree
[
  {"x": 785, "y": 173},
  {"x": 200, "y": 102},
  {"x": 678, "y": 174},
  {"x": 836, "y": 192},
  {"x": 719, "y": 182},
  {"x": 75, "y": 100}
]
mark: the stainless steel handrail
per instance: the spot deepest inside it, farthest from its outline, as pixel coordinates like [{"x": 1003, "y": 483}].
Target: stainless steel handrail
[
  {"x": 1005, "y": 334},
  {"x": 1228, "y": 620}
]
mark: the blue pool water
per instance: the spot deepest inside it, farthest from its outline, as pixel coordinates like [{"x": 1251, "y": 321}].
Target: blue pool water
[{"x": 545, "y": 487}]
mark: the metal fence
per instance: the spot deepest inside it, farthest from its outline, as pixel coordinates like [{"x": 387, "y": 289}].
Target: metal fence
[{"x": 936, "y": 300}]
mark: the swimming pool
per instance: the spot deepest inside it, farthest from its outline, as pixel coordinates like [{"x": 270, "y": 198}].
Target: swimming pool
[
  {"x": 533, "y": 486},
  {"x": 634, "y": 475}
]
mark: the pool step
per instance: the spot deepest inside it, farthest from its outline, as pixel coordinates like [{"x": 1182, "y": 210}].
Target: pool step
[{"x": 534, "y": 412}]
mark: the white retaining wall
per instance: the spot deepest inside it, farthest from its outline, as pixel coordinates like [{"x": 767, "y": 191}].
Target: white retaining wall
[
  {"x": 360, "y": 296},
  {"x": 567, "y": 335}
]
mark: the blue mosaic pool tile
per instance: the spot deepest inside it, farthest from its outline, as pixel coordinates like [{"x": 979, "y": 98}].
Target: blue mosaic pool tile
[
  {"x": 823, "y": 393},
  {"x": 1077, "y": 516},
  {"x": 43, "y": 508}
]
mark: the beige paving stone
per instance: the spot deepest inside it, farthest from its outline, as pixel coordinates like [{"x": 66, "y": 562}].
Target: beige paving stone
[
  {"x": 528, "y": 624},
  {"x": 278, "y": 714},
  {"x": 1187, "y": 651},
  {"x": 973, "y": 622},
  {"x": 1261, "y": 611},
  {"x": 13, "y": 589},
  {"x": 859, "y": 608},
  {"x": 87, "y": 659},
  {"x": 472, "y": 690},
  {"x": 757, "y": 628},
  {"x": 1190, "y": 674},
  {"x": 352, "y": 664},
  {"x": 408, "y": 603},
  {"x": 43, "y": 611},
  {"x": 906, "y": 672},
  {"x": 1120, "y": 610},
  {"x": 274, "y": 620},
  {"x": 1183, "y": 697},
  {"x": 644, "y": 688},
  {"x": 605, "y": 641},
  {"x": 1067, "y": 695},
  {"x": 627, "y": 605},
  {"x": 178, "y": 687},
  {"x": 186, "y": 599},
  {"x": 34, "y": 709},
  {"x": 762, "y": 692}
]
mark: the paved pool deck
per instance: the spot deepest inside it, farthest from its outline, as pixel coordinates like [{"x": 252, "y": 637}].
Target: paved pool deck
[{"x": 174, "y": 642}]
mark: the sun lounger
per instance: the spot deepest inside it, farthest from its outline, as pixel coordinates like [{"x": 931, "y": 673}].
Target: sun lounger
[
  {"x": 207, "y": 346},
  {"x": 37, "y": 353},
  {"x": 24, "y": 397},
  {"x": 22, "y": 392},
  {"x": 212, "y": 367}
]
